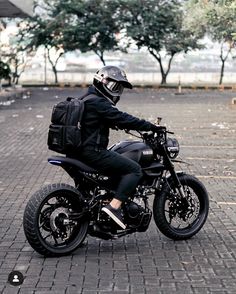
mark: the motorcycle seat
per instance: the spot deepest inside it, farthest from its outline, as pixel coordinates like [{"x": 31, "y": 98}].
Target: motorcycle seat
[{"x": 69, "y": 162}]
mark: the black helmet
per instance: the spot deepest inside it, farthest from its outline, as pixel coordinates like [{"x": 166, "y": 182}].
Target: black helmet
[{"x": 110, "y": 82}]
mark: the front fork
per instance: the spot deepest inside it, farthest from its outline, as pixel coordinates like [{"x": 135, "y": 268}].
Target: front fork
[{"x": 174, "y": 176}]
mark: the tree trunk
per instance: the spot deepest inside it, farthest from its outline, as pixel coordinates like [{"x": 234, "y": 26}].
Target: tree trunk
[
  {"x": 223, "y": 59},
  {"x": 54, "y": 65},
  {"x": 101, "y": 56},
  {"x": 164, "y": 73},
  {"x": 222, "y": 71},
  {"x": 103, "y": 61},
  {"x": 17, "y": 80},
  {"x": 55, "y": 74},
  {"x": 163, "y": 79},
  {"x": 14, "y": 74},
  {"x": 19, "y": 74}
]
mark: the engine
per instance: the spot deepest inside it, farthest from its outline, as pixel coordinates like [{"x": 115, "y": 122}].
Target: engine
[{"x": 137, "y": 216}]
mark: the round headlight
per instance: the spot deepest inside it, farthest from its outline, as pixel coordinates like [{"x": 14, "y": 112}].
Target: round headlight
[{"x": 172, "y": 147}]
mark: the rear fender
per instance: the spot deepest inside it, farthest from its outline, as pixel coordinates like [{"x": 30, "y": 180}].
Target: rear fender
[{"x": 72, "y": 171}]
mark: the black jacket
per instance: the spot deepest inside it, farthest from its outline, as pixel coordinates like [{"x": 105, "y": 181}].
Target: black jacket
[{"x": 100, "y": 115}]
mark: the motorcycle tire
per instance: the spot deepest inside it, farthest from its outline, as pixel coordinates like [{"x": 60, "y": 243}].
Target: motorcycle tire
[
  {"x": 169, "y": 210},
  {"x": 46, "y": 220}
]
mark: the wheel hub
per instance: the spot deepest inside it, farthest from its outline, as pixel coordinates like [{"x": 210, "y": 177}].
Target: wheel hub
[
  {"x": 180, "y": 207},
  {"x": 59, "y": 219}
]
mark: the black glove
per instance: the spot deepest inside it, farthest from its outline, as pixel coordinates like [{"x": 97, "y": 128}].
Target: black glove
[{"x": 157, "y": 128}]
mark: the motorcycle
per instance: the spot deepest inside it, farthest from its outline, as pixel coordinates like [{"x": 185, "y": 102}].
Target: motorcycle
[{"x": 58, "y": 217}]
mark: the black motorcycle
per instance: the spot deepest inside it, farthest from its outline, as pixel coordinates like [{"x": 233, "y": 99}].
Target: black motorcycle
[{"x": 58, "y": 217}]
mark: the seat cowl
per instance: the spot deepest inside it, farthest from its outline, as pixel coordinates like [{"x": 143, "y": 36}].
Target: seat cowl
[{"x": 67, "y": 161}]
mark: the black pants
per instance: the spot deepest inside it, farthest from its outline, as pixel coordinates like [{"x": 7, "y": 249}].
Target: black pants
[{"x": 110, "y": 163}]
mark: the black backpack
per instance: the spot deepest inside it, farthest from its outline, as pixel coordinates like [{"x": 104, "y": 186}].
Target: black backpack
[{"x": 64, "y": 135}]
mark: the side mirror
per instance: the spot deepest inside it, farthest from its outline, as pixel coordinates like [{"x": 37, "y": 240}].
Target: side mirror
[{"x": 158, "y": 120}]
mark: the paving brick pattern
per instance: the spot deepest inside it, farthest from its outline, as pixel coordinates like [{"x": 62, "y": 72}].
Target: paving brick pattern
[{"x": 205, "y": 125}]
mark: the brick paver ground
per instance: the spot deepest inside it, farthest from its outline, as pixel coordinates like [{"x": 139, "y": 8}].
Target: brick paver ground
[{"x": 205, "y": 125}]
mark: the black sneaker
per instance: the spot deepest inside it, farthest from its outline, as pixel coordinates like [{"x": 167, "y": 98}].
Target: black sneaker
[{"x": 115, "y": 214}]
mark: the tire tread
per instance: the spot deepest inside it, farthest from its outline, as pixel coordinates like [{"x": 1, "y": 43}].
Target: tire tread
[{"x": 29, "y": 219}]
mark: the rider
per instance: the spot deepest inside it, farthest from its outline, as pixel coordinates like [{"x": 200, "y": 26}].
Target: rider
[{"x": 99, "y": 116}]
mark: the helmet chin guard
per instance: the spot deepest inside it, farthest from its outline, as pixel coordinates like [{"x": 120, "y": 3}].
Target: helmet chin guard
[{"x": 110, "y": 81}]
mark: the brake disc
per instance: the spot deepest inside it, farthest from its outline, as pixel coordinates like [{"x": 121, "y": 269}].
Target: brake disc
[{"x": 63, "y": 214}]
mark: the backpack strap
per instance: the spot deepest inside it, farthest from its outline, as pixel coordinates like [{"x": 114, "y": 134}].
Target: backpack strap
[
  {"x": 83, "y": 99},
  {"x": 78, "y": 98},
  {"x": 83, "y": 96},
  {"x": 87, "y": 97}
]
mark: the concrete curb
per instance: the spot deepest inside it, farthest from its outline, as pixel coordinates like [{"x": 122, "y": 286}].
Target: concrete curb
[{"x": 154, "y": 86}]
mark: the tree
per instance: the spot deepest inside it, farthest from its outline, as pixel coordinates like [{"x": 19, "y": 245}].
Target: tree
[
  {"x": 17, "y": 58},
  {"x": 13, "y": 50},
  {"x": 217, "y": 19},
  {"x": 221, "y": 21},
  {"x": 17, "y": 53},
  {"x": 88, "y": 25},
  {"x": 47, "y": 32},
  {"x": 158, "y": 26}
]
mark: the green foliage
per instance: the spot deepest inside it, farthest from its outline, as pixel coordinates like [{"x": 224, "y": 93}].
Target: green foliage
[
  {"x": 221, "y": 21},
  {"x": 212, "y": 17},
  {"x": 148, "y": 22},
  {"x": 88, "y": 25},
  {"x": 97, "y": 25},
  {"x": 217, "y": 18},
  {"x": 47, "y": 32},
  {"x": 158, "y": 26},
  {"x": 195, "y": 17},
  {"x": 164, "y": 28}
]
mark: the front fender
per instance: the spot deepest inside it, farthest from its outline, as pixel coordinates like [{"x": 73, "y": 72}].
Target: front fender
[
  {"x": 178, "y": 173},
  {"x": 170, "y": 180},
  {"x": 180, "y": 161}
]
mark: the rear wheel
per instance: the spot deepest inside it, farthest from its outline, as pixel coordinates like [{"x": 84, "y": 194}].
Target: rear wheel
[
  {"x": 53, "y": 221},
  {"x": 181, "y": 218}
]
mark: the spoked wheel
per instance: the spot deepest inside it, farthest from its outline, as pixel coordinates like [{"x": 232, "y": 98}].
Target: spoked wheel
[
  {"x": 180, "y": 218},
  {"x": 54, "y": 223}
]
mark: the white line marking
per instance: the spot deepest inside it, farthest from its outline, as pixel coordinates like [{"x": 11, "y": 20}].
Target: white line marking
[
  {"x": 226, "y": 203},
  {"x": 217, "y": 177}
]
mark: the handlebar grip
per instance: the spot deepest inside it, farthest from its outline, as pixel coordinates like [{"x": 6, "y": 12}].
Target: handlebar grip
[{"x": 157, "y": 129}]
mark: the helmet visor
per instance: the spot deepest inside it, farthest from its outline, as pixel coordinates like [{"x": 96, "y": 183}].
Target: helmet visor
[{"x": 115, "y": 87}]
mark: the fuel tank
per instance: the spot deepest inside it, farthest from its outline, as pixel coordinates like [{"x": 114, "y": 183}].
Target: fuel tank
[{"x": 135, "y": 150}]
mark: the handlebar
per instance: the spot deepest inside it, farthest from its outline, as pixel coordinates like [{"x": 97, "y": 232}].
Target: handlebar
[{"x": 161, "y": 129}]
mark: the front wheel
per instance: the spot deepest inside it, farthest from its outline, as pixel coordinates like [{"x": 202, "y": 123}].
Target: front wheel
[
  {"x": 181, "y": 218},
  {"x": 52, "y": 222}
]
